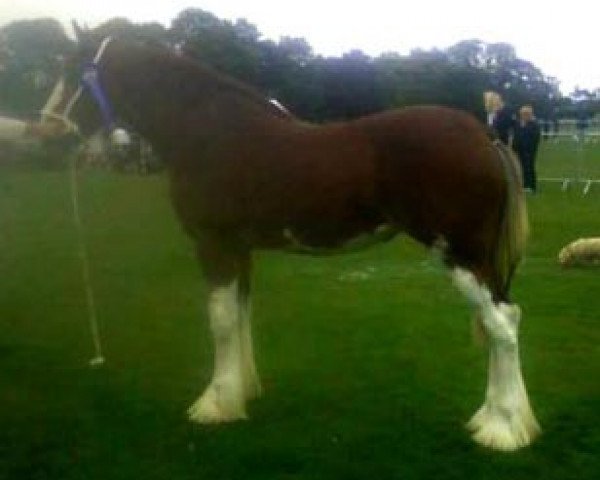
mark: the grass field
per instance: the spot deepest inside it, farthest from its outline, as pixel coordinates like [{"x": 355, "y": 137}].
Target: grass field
[{"x": 367, "y": 376}]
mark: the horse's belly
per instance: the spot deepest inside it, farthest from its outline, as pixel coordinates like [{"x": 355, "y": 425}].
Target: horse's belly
[{"x": 315, "y": 242}]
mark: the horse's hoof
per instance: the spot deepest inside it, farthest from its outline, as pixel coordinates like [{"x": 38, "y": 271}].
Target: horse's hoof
[
  {"x": 495, "y": 429},
  {"x": 214, "y": 408}
]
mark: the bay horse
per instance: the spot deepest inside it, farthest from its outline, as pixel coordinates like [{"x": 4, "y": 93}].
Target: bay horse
[{"x": 245, "y": 174}]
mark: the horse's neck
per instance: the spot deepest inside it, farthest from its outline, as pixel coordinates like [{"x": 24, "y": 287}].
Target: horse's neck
[{"x": 167, "y": 98}]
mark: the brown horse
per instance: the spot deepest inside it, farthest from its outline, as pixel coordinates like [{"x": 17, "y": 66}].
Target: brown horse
[{"x": 247, "y": 175}]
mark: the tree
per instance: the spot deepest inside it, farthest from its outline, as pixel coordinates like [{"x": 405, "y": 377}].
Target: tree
[
  {"x": 229, "y": 47},
  {"x": 121, "y": 27},
  {"x": 31, "y": 54},
  {"x": 289, "y": 73},
  {"x": 431, "y": 78},
  {"x": 468, "y": 53},
  {"x": 313, "y": 87},
  {"x": 350, "y": 86}
]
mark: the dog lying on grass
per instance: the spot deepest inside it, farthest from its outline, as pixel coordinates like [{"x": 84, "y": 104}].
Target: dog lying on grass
[{"x": 582, "y": 252}]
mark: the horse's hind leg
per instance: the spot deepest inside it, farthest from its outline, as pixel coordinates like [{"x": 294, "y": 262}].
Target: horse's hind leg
[
  {"x": 225, "y": 398},
  {"x": 505, "y": 421},
  {"x": 251, "y": 381}
]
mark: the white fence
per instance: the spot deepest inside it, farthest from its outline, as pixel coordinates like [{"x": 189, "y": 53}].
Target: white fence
[
  {"x": 571, "y": 129},
  {"x": 583, "y": 136}
]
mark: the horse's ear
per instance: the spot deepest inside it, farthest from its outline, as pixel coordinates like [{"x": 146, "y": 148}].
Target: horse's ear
[{"x": 80, "y": 35}]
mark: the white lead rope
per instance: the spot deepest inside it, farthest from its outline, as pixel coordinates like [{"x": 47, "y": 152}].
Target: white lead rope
[
  {"x": 98, "y": 358},
  {"x": 49, "y": 111}
]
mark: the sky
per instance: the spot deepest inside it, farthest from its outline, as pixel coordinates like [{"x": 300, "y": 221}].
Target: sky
[{"x": 560, "y": 40}]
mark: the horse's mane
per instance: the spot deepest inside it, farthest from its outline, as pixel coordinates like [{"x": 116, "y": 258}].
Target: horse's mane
[{"x": 200, "y": 74}]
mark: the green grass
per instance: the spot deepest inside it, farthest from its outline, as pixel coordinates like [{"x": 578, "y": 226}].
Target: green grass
[
  {"x": 567, "y": 159},
  {"x": 364, "y": 378}
]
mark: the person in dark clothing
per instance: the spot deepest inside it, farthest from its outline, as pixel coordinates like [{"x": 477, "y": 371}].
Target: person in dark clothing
[
  {"x": 504, "y": 124},
  {"x": 525, "y": 144}
]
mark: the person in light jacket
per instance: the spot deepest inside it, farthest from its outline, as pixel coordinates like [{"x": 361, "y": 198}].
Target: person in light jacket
[{"x": 13, "y": 130}]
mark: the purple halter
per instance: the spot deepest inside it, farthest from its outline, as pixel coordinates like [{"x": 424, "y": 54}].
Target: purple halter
[{"x": 91, "y": 84}]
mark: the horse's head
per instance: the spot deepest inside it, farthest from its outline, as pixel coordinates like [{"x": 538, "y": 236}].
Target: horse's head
[{"x": 79, "y": 99}]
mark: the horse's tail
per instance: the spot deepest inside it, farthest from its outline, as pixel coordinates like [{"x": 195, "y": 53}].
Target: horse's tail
[{"x": 514, "y": 226}]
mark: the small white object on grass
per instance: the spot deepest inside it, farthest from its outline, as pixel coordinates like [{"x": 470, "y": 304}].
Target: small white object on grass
[{"x": 97, "y": 362}]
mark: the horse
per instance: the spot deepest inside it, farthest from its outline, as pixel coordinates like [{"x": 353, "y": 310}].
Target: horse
[{"x": 247, "y": 175}]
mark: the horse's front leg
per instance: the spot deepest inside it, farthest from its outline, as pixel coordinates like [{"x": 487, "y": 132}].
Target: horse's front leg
[{"x": 224, "y": 399}]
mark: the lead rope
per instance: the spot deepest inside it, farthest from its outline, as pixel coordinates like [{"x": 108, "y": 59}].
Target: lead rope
[
  {"x": 98, "y": 359},
  {"x": 49, "y": 112}
]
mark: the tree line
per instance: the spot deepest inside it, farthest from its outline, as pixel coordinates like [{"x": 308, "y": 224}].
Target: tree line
[{"x": 312, "y": 86}]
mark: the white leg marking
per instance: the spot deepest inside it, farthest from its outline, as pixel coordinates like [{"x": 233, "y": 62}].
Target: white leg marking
[
  {"x": 505, "y": 421},
  {"x": 252, "y": 386},
  {"x": 223, "y": 400}
]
